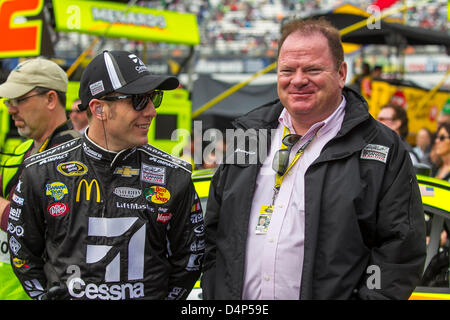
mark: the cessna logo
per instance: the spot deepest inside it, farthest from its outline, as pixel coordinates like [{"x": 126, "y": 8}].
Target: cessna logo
[
  {"x": 88, "y": 189},
  {"x": 126, "y": 171}
]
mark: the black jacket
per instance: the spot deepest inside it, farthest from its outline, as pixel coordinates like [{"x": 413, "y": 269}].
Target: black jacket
[
  {"x": 105, "y": 225},
  {"x": 359, "y": 212}
]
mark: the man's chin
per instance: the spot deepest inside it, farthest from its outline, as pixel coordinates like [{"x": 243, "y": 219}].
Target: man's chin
[{"x": 24, "y": 132}]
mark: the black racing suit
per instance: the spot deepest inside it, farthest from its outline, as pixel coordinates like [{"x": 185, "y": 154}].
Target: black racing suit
[{"x": 104, "y": 225}]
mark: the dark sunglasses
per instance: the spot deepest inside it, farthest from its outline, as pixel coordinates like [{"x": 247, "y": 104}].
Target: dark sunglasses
[
  {"x": 442, "y": 138},
  {"x": 280, "y": 161},
  {"x": 140, "y": 101}
]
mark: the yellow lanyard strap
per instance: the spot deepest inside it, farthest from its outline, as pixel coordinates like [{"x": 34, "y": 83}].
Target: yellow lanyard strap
[{"x": 278, "y": 178}]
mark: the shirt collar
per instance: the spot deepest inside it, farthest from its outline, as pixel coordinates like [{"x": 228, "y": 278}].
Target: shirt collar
[{"x": 320, "y": 127}]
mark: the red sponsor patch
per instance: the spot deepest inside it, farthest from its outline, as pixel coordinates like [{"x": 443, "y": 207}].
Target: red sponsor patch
[
  {"x": 164, "y": 217},
  {"x": 57, "y": 209}
]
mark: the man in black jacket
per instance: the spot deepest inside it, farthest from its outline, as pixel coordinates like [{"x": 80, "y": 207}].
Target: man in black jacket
[
  {"x": 339, "y": 190},
  {"x": 108, "y": 216}
]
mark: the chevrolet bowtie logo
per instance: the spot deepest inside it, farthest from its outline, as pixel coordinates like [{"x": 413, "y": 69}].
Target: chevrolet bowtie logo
[{"x": 126, "y": 171}]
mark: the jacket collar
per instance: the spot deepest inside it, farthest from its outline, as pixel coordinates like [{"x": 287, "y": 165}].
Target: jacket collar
[
  {"x": 266, "y": 116},
  {"x": 356, "y": 113},
  {"x": 56, "y": 137},
  {"x": 263, "y": 117},
  {"x": 100, "y": 154}
]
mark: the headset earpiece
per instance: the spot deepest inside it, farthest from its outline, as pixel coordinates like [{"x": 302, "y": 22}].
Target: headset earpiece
[{"x": 99, "y": 110}]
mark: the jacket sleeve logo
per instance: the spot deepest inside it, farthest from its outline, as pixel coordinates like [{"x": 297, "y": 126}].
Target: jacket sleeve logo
[
  {"x": 72, "y": 168},
  {"x": 57, "y": 190},
  {"x": 88, "y": 189},
  {"x": 375, "y": 152}
]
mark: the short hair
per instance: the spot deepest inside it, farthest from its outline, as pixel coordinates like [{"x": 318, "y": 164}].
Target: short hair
[
  {"x": 444, "y": 125},
  {"x": 311, "y": 26},
  {"x": 61, "y": 95},
  {"x": 400, "y": 114},
  {"x": 378, "y": 68}
]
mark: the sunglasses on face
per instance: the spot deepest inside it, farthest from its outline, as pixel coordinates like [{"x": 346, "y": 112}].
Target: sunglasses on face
[
  {"x": 385, "y": 119},
  {"x": 140, "y": 101},
  {"x": 280, "y": 161},
  {"x": 442, "y": 138}
]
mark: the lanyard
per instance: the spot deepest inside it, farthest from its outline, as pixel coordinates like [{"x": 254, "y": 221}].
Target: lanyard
[{"x": 299, "y": 153}]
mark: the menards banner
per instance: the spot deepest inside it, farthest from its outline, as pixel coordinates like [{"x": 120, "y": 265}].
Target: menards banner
[
  {"x": 410, "y": 98},
  {"x": 116, "y": 20}
]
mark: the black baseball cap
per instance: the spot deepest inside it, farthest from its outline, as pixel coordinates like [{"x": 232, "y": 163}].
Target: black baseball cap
[{"x": 122, "y": 72}]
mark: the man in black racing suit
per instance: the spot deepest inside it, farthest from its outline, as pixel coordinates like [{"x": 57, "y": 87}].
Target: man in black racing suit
[{"x": 104, "y": 216}]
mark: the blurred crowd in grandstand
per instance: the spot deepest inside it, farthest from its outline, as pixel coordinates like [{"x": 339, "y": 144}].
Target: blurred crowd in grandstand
[{"x": 251, "y": 27}]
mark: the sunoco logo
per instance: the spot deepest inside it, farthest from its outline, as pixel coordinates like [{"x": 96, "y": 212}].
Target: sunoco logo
[{"x": 125, "y": 192}]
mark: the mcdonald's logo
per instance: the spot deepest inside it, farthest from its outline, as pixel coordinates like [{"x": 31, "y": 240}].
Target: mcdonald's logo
[{"x": 88, "y": 189}]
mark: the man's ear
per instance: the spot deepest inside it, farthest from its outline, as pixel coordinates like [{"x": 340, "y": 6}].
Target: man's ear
[
  {"x": 96, "y": 107},
  {"x": 52, "y": 99}
]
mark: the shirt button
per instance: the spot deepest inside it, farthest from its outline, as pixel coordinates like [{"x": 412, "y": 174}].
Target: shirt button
[
  {"x": 267, "y": 278},
  {"x": 271, "y": 240},
  {"x": 280, "y": 206}
]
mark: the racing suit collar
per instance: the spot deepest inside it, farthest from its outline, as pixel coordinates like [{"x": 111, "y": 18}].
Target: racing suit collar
[{"x": 97, "y": 153}]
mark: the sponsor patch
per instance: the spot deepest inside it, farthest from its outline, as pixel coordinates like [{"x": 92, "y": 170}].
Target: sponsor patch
[
  {"x": 57, "y": 209},
  {"x": 176, "y": 293},
  {"x": 195, "y": 261},
  {"x": 126, "y": 171},
  {"x": 57, "y": 190},
  {"x": 53, "y": 158},
  {"x": 19, "y": 263},
  {"x": 153, "y": 174},
  {"x": 125, "y": 192},
  {"x": 72, "y": 168},
  {"x": 196, "y": 217},
  {"x": 14, "y": 245},
  {"x": 91, "y": 153},
  {"x": 18, "y": 186},
  {"x": 17, "y": 199},
  {"x": 375, "y": 152},
  {"x": 426, "y": 191},
  {"x": 164, "y": 217},
  {"x": 198, "y": 245},
  {"x": 14, "y": 214},
  {"x": 97, "y": 87},
  {"x": 131, "y": 206},
  {"x": 157, "y": 194},
  {"x": 17, "y": 230},
  {"x": 196, "y": 207}
]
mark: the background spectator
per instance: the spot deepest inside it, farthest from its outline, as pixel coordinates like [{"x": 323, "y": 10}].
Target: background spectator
[
  {"x": 423, "y": 144},
  {"x": 79, "y": 118},
  {"x": 395, "y": 117},
  {"x": 442, "y": 148}
]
